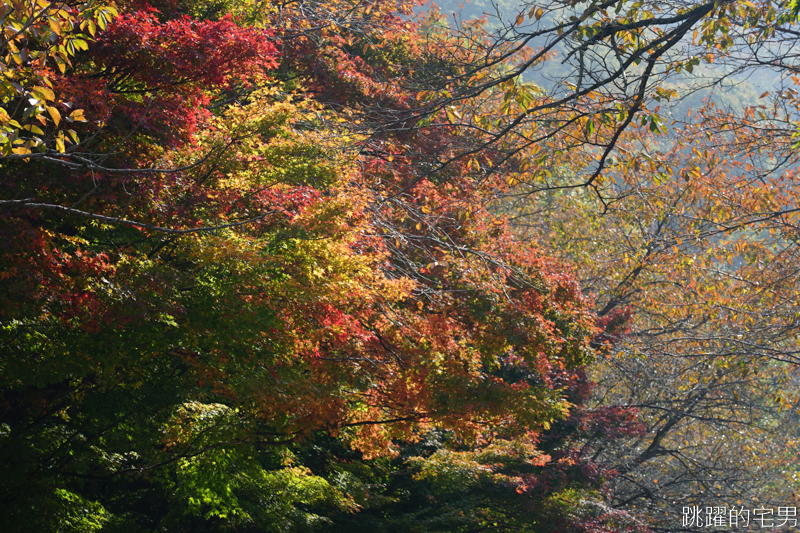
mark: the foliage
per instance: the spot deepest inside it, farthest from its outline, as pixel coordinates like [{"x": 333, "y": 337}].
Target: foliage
[
  {"x": 208, "y": 282},
  {"x": 682, "y": 235},
  {"x": 38, "y": 37},
  {"x": 305, "y": 266}
]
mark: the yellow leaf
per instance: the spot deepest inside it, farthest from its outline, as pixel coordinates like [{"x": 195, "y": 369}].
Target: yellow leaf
[
  {"x": 56, "y": 116},
  {"x": 77, "y": 115},
  {"x": 55, "y": 26},
  {"x": 48, "y": 94}
]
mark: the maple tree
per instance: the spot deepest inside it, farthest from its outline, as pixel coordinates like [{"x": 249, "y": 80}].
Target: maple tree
[{"x": 203, "y": 282}]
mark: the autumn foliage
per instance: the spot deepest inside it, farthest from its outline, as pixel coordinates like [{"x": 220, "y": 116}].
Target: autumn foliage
[
  {"x": 272, "y": 267},
  {"x": 203, "y": 281}
]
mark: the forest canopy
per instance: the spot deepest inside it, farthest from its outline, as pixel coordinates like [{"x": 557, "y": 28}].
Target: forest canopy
[{"x": 354, "y": 265}]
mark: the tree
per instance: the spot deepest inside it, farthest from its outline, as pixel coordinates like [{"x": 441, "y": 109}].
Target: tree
[
  {"x": 686, "y": 249},
  {"x": 600, "y": 68},
  {"x": 38, "y": 37},
  {"x": 276, "y": 278},
  {"x": 691, "y": 253},
  {"x": 204, "y": 282},
  {"x": 714, "y": 395}
]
